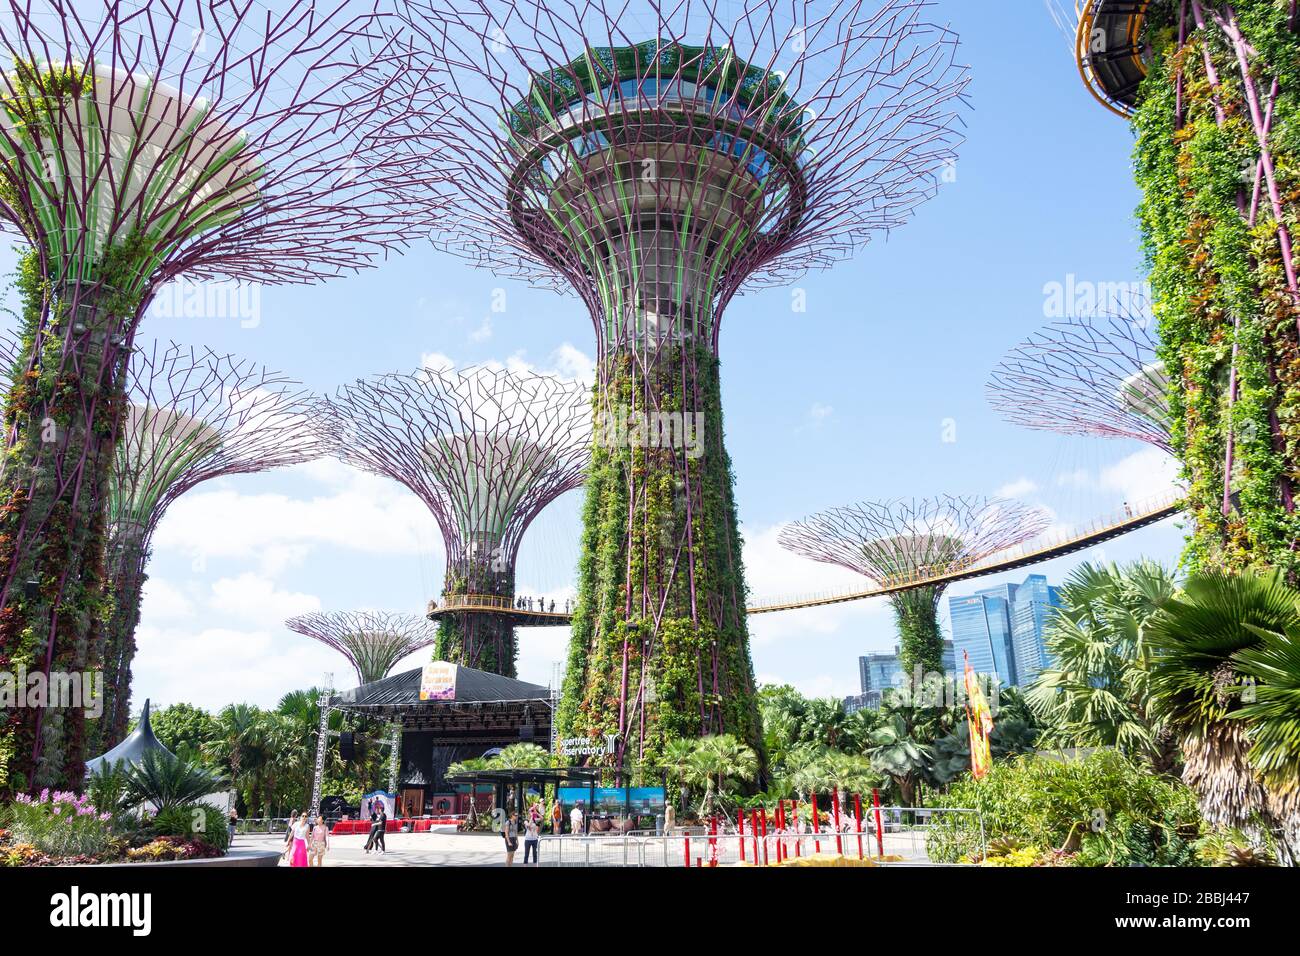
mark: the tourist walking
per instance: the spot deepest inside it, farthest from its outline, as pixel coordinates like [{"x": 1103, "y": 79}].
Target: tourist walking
[
  {"x": 299, "y": 831},
  {"x": 575, "y": 819},
  {"x": 557, "y": 818},
  {"x": 320, "y": 843},
  {"x": 378, "y": 826},
  {"x": 510, "y": 833},
  {"x": 532, "y": 839},
  {"x": 234, "y": 821}
]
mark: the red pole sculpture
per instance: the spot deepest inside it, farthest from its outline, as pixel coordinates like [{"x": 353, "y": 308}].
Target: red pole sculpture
[
  {"x": 835, "y": 806},
  {"x": 753, "y": 829},
  {"x": 857, "y": 811},
  {"x": 762, "y": 819},
  {"x": 798, "y": 836},
  {"x": 713, "y": 841},
  {"x": 880, "y": 830},
  {"x": 817, "y": 826},
  {"x": 686, "y": 844},
  {"x": 740, "y": 833}
]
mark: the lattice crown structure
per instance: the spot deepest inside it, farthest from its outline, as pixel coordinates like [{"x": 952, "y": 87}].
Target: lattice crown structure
[
  {"x": 1088, "y": 376},
  {"x": 195, "y": 415},
  {"x": 900, "y": 540},
  {"x": 658, "y": 163},
  {"x": 372, "y": 641},
  {"x": 226, "y": 139},
  {"x": 485, "y": 449}
]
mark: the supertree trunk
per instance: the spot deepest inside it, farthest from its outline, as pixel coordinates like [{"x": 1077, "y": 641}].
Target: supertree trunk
[
  {"x": 920, "y": 641},
  {"x": 61, "y": 423},
  {"x": 126, "y": 579},
  {"x": 485, "y": 642},
  {"x": 660, "y": 647}
]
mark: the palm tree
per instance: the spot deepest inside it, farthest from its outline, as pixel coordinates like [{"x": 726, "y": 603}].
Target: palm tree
[
  {"x": 231, "y": 747},
  {"x": 716, "y": 762},
  {"x": 520, "y": 757},
  {"x": 1204, "y": 643},
  {"x": 896, "y": 750},
  {"x": 1096, "y": 693},
  {"x": 676, "y": 760},
  {"x": 167, "y": 781}
]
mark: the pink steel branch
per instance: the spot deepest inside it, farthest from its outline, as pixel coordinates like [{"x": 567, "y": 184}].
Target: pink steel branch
[
  {"x": 372, "y": 641},
  {"x": 485, "y": 449},
  {"x": 1088, "y": 376},
  {"x": 303, "y": 96},
  {"x": 889, "y": 541}
]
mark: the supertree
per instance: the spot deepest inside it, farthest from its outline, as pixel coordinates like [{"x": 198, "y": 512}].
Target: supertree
[
  {"x": 372, "y": 641},
  {"x": 193, "y": 416},
  {"x": 903, "y": 541},
  {"x": 1088, "y": 376},
  {"x": 1207, "y": 88},
  {"x": 140, "y": 142},
  {"x": 657, "y": 160},
  {"x": 486, "y": 450}
]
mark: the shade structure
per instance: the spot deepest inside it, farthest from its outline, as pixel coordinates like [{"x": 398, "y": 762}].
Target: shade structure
[{"x": 131, "y": 750}]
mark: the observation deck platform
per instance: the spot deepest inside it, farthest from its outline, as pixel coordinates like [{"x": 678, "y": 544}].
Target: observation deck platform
[
  {"x": 498, "y": 606},
  {"x": 1108, "y": 50}
]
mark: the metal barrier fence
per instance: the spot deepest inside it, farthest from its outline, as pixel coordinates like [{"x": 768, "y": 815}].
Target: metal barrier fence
[{"x": 903, "y": 834}]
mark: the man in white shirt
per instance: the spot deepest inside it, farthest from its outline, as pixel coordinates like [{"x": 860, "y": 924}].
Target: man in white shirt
[{"x": 575, "y": 819}]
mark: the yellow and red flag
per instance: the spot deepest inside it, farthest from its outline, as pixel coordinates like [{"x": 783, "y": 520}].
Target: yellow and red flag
[{"x": 979, "y": 719}]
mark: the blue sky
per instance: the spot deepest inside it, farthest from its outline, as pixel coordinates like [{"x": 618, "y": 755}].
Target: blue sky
[{"x": 846, "y": 401}]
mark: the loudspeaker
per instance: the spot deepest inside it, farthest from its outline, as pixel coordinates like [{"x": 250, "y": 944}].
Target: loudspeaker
[
  {"x": 526, "y": 732},
  {"x": 347, "y": 748}
]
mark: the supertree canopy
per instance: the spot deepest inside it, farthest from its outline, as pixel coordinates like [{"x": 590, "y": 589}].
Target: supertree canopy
[
  {"x": 1209, "y": 91},
  {"x": 903, "y": 541},
  {"x": 486, "y": 450},
  {"x": 372, "y": 641},
  {"x": 1088, "y": 376},
  {"x": 656, "y": 161},
  {"x": 193, "y": 416},
  {"x": 139, "y": 142}
]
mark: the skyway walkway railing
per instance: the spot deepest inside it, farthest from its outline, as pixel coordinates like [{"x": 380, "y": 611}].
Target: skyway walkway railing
[{"x": 1096, "y": 531}]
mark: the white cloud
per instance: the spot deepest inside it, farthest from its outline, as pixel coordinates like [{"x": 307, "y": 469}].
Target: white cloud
[
  {"x": 1017, "y": 489},
  {"x": 255, "y": 598},
  {"x": 1142, "y": 475},
  {"x": 483, "y": 332},
  {"x": 362, "y": 512},
  {"x": 164, "y": 602}
]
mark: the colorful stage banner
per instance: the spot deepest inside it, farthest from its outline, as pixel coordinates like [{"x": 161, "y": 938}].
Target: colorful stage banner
[{"x": 438, "y": 681}]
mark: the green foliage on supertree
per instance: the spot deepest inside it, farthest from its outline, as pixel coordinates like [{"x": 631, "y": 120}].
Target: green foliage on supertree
[{"x": 1218, "y": 274}]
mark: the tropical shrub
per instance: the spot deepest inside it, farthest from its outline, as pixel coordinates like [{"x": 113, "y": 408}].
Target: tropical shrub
[
  {"x": 195, "y": 821},
  {"x": 171, "y": 848},
  {"x": 58, "y": 824},
  {"x": 166, "y": 781},
  {"x": 1126, "y": 813}
]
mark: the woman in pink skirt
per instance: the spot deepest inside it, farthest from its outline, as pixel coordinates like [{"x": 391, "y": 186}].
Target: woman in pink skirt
[{"x": 300, "y": 829}]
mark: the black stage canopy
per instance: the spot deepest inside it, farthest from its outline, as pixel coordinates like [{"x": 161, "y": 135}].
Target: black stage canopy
[{"x": 485, "y": 707}]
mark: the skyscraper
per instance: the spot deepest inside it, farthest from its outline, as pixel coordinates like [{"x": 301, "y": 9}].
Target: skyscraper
[
  {"x": 1001, "y": 629},
  {"x": 1030, "y": 613},
  {"x": 880, "y": 671}
]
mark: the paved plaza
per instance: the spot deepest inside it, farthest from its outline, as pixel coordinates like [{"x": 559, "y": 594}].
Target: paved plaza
[{"x": 446, "y": 847}]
